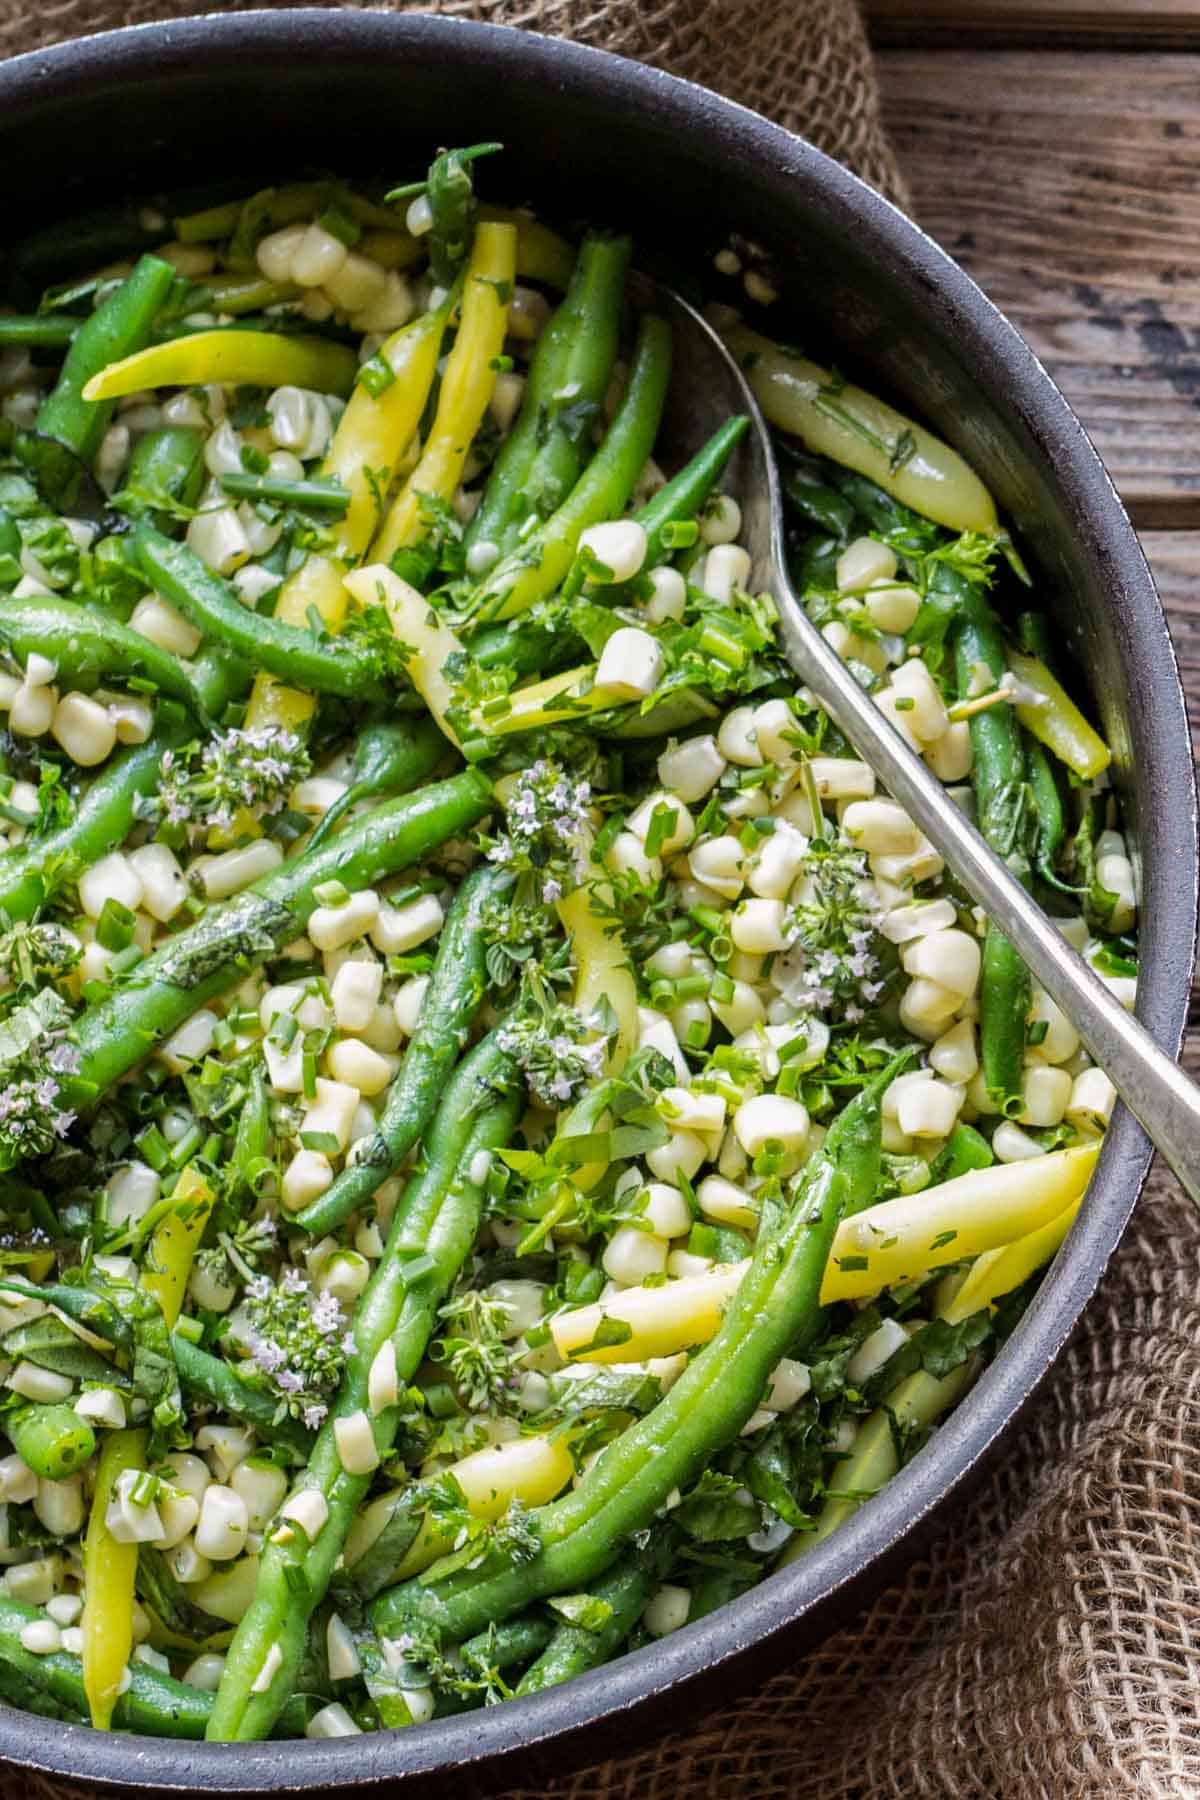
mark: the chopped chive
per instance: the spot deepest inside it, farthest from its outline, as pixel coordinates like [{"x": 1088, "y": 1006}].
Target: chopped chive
[
  {"x": 182, "y": 1151},
  {"x": 115, "y": 926}
]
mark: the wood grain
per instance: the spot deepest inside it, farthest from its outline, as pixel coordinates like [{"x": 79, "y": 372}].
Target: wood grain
[
  {"x": 1174, "y": 558},
  {"x": 1132, "y": 23},
  {"x": 1068, "y": 184}
]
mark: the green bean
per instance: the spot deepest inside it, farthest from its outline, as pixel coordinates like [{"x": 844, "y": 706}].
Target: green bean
[
  {"x": 1049, "y": 818},
  {"x": 87, "y": 646},
  {"x": 678, "y": 712},
  {"x": 451, "y": 1000},
  {"x": 18, "y": 1691},
  {"x": 52, "y": 1440},
  {"x": 526, "y": 647},
  {"x": 542, "y": 457},
  {"x": 505, "y": 1646},
  {"x": 390, "y": 757},
  {"x": 212, "y": 1380},
  {"x": 290, "y": 652},
  {"x": 252, "y": 1138},
  {"x": 1004, "y": 992},
  {"x": 239, "y": 934},
  {"x": 705, "y": 1409},
  {"x": 323, "y": 496},
  {"x": 626, "y": 1591},
  {"x": 435, "y": 1224},
  {"x": 119, "y": 326},
  {"x": 999, "y": 779},
  {"x": 10, "y": 538},
  {"x": 1035, "y": 639},
  {"x": 94, "y": 1311},
  {"x": 882, "y": 511},
  {"x": 208, "y": 1377},
  {"x": 534, "y": 569},
  {"x": 239, "y": 298},
  {"x": 49, "y": 331},
  {"x": 239, "y": 295},
  {"x": 682, "y": 497},
  {"x": 109, "y": 807},
  {"x": 166, "y": 466},
  {"x": 964, "y": 1149},
  {"x": 154, "y": 1704},
  {"x": 819, "y": 505},
  {"x": 106, "y": 813}
]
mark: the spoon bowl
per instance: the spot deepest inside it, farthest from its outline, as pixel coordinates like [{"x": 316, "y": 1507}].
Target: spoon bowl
[{"x": 708, "y": 387}]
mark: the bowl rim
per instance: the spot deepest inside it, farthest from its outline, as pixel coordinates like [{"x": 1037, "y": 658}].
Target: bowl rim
[{"x": 840, "y": 1573}]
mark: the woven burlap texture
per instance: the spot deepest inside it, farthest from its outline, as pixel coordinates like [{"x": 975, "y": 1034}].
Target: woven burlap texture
[
  {"x": 802, "y": 62},
  {"x": 1050, "y": 1643}
]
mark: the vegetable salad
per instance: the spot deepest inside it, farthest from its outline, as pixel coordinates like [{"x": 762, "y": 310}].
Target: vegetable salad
[{"x": 507, "y": 1134}]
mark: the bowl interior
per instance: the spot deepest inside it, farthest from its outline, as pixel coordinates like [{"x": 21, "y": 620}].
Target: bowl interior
[{"x": 255, "y": 97}]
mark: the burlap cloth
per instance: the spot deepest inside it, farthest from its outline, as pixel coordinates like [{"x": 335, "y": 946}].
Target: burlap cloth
[{"x": 1050, "y": 1643}]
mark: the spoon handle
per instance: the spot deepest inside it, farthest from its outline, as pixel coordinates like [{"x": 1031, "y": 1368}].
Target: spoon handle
[{"x": 1153, "y": 1087}]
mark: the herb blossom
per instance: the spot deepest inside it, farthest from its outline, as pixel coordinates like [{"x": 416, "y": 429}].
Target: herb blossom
[
  {"x": 548, "y": 830},
  {"x": 832, "y": 929},
  {"x": 256, "y": 769},
  {"x": 298, "y": 1342}
]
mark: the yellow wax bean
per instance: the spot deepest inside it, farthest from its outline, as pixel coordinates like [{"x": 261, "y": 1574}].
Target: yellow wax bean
[
  {"x": 468, "y": 383},
  {"x": 375, "y": 430},
  {"x": 554, "y": 701},
  {"x": 372, "y": 435},
  {"x": 999, "y": 1272},
  {"x": 530, "y": 1469},
  {"x": 416, "y": 625},
  {"x": 109, "y": 1569},
  {"x": 541, "y": 254},
  {"x": 173, "y": 1246},
  {"x": 855, "y": 429},
  {"x": 661, "y": 1320},
  {"x": 602, "y": 970},
  {"x": 921, "y": 1399},
  {"x": 903, "y": 1238},
  {"x": 316, "y": 586},
  {"x": 253, "y": 358},
  {"x": 1047, "y": 711}
]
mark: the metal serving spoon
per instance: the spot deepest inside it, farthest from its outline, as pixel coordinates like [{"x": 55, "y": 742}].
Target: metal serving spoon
[{"x": 707, "y": 386}]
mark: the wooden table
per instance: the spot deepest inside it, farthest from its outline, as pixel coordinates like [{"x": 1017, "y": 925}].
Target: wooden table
[{"x": 1053, "y": 147}]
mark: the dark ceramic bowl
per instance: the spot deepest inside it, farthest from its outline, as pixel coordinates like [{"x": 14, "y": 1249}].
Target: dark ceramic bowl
[{"x": 259, "y": 96}]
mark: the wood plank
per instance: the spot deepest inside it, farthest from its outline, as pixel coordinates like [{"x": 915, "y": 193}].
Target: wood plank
[
  {"x": 1174, "y": 558},
  {"x": 1132, "y": 24},
  {"x": 1067, "y": 185}
]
